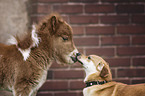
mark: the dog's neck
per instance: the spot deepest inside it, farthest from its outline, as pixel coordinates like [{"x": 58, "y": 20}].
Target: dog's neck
[
  {"x": 88, "y": 84},
  {"x": 96, "y": 78},
  {"x": 93, "y": 77}
]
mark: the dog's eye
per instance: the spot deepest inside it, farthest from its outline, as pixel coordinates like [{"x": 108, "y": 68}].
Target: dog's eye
[
  {"x": 89, "y": 57},
  {"x": 65, "y": 38}
]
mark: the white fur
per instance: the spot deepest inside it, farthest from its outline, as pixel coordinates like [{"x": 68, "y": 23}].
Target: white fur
[
  {"x": 90, "y": 68},
  {"x": 25, "y": 53},
  {"x": 34, "y": 37},
  {"x": 12, "y": 41},
  {"x": 100, "y": 67}
]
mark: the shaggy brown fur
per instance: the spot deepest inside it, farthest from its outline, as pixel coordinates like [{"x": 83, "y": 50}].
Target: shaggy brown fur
[
  {"x": 24, "y": 65},
  {"x": 97, "y": 69}
]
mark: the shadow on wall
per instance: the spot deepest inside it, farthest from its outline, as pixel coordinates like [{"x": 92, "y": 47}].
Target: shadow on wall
[{"x": 13, "y": 18}]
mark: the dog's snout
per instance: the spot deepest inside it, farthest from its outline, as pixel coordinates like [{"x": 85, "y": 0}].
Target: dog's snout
[{"x": 78, "y": 54}]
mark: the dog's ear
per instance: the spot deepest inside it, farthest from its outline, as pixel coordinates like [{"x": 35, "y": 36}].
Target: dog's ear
[{"x": 104, "y": 71}]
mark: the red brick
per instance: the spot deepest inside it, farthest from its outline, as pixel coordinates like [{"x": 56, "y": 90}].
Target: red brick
[
  {"x": 86, "y": 41},
  {"x": 95, "y": 8},
  {"x": 65, "y": 18},
  {"x": 33, "y": 9},
  {"x": 122, "y": 80},
  {"x": 113, "y": 72},
  {"x": 34, "y": 19},
  {"x": 68, "y": 8},
  {"x": 137, "y": 40},
  {"x": 52, "y": 1},
  {"x": 137, "y": 1},
  {"x": 77, "y": 85},
  {"x": 122, "y": 1},
  {"x": 68, "y": 74},
  {"x": 50, "y": 74},
  {"x": 77, "y": 65},
  {"x": 112, "y": 1},
  {"x": 139, "y": 19},
  {"x": 116, "y": 19},
  {"x": 78, "y": 30},
  {"x": 44, "y": 94},
  {"x": 84, "y": 19},
  {"x": 130, "y": 51},
  {"x": 100, "y": 51},
  {"x": 139, "y": 61},
  {"x": 138, "y": 81},
  {"x": 84, "y": 1},
  {"x": 66, "y": 94},
  {"x": 135, "y": 8},
  {"x": 131, "y": 72},
  {"x": 118, "y": 62},
  {"x": 100, "y": 30},
  {"x": 115, "y": 40},
  {"x": 136, "y": 29},
  {"x": 43, "y": 9},
  {"x": 55, "y": 65},
  {"x": 80, "y": 94},
  {"x": 54, "y": 85}
]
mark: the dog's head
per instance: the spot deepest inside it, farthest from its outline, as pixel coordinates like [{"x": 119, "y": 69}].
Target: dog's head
[
  {"x": 57, "y": 36},
  {"x": 96, "y": 68}
]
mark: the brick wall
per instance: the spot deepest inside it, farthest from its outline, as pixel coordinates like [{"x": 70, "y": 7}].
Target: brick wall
[{"x": 113, "y": 29}]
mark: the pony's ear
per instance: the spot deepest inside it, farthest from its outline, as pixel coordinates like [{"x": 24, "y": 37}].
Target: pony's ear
[
  {"x": 104, "y": 72},
  {"x": 53, "y": 22}
]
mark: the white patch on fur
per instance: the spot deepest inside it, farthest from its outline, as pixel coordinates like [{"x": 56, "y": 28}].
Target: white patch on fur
[
  {"x": 25, "y": 53},
  {"x": 100, "y": 67},
  {"x": 89, "y": 67},
  {"x": 12, "y": 41},
  {"x": 35, "y": 37}
]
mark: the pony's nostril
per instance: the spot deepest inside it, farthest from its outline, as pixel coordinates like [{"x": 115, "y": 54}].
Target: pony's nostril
[
  {"x": 74, "y": 59},
  {"x": 78, "y": 54}
]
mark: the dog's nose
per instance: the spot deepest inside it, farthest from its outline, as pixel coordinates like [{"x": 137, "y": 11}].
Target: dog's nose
[{"x": 78, "y": 54}]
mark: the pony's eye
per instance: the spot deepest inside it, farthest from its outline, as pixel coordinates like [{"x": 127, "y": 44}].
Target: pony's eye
[
  {"x": 65, "y": 38},
  {"x": 89, "y": 57}
]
